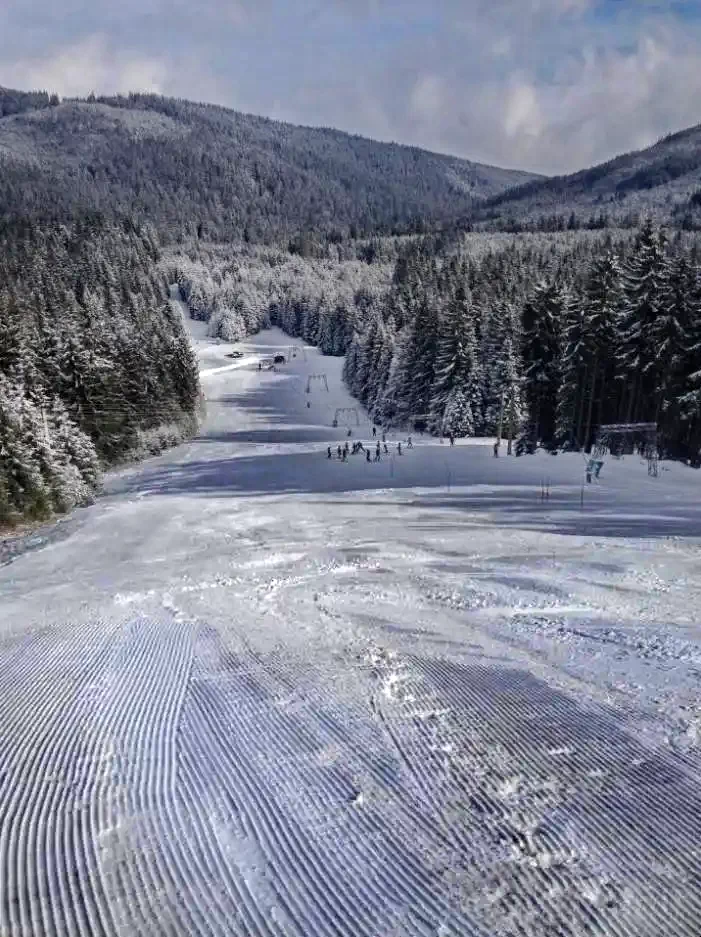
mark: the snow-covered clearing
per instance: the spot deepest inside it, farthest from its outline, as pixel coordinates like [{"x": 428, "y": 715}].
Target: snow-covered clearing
[{"x": 258, "y": 692}]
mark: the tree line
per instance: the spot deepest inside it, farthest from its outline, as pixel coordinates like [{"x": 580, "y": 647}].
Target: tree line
[
  {"x": 545, "y": 337},
  {"x": 95, "y": 365},
  {"x": 550, "y": 346}
]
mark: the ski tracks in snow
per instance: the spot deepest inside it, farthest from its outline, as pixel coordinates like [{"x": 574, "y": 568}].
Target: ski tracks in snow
[
  {"x": 172, "y": 787},
  {"x": 343, "y": 716}
]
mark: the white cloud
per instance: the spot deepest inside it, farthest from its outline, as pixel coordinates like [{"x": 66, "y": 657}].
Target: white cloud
[
  {"x": 522, "y": 114},
  {"x": 89, "y": 65},
  {"x": 538, "y": 84},
  {"x": 427, "y": 97}
]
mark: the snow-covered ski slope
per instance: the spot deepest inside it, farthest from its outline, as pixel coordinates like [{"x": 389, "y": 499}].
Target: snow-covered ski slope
[{"x": 258, "y": 692}]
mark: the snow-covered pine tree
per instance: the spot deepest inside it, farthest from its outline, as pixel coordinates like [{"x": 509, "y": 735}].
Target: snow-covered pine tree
[
  {"x": 457, "y": 415},
  {"x": 645, "y": 282},
  {"x": 542, "y": 321},
  {"x": 21, "y": 452},
  {"x": 419, "y": 374},
  {"x": 601, "y": 301},
  {"x": 575, "y": 361},
  {"x": 500, "y": 365},
  {"x": 670, "y": 334},
  {"x": 389, "y": 405},
  {"x": 681, "y": 418},
  {"x": 456, "y": 364}
]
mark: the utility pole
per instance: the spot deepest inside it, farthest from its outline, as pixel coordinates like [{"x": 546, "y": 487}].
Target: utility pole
[
  {"x": 500, "y": 428},
  {"x": 509, "y": 447}
]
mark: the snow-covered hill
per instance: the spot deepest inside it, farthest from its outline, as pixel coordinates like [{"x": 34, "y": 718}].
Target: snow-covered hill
[
  {"x": 186, "y": 167},
  {"x": 261, "y": 692},
  {"x": 662, "y": 181}
]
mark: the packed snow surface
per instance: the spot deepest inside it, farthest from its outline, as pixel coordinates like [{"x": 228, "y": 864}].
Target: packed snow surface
[{"x": 255, "y": 691}]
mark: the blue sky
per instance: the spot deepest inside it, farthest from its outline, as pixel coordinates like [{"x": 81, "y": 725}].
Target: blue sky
[{"x": 545, "y": 85}]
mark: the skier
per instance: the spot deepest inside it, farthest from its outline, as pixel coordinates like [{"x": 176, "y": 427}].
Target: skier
[
  {"x": 260, "y": 366},
  {"x": 374, "y": 431},
  {"x": 384, "y": 437},
  {"x": 367, "y": 455},
  {"x": 399, "y": 448},
  {"x": 409, "y": 443},
  {"x": 386, "y": 449},
  {"x": 345, "y": 451},
  {"x": 328, "y": 452},
  {"x": 496, "y": 449},
  {"x": 350, "y": 432},
  {"x": 452, "y": 439},
  {"x": 340, "y": 452},
  {"x": 377, "y": 453}
]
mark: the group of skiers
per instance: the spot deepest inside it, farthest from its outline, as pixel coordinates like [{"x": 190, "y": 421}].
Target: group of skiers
[{"x": 381, "y": 447}]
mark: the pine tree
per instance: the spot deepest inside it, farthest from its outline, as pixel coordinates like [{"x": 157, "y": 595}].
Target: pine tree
[
  {"x": 456, "y": 363},
  {"x": 645, "y": 282},
  {"x": 573, "y": 377},
  {"x": 542, "y": 318},
  {"x": 602, "y": 299},
  {"x": 670, "y": 334},
  {"x": 457, "y": 416}
]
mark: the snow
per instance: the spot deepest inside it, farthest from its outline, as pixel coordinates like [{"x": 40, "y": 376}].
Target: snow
[{"x": 254, "y": 691}]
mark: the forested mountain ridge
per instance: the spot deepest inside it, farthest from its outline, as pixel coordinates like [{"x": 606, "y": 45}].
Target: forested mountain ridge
[
  {"x": 197, "y": 168},
  {"x": 19, "y": 102},
  {"x": 662, "y": 182}
]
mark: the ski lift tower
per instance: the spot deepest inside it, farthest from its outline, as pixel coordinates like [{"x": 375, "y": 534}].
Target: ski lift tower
[
  {"x": 317, "y": 379},
  {"x": 348, "y": 415},
  {"x": 616, "y": 439}
]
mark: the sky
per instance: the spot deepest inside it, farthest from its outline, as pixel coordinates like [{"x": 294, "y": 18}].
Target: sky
[{"x": 548, "y": 86}]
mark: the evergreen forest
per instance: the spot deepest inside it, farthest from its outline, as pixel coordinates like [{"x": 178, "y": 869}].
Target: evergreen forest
[
  {"x": 541, "y": 329},
  {"x": 95, "y": 367}
]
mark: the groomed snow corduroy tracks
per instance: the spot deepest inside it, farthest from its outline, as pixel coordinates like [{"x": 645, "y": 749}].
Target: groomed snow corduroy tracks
[
  {"x": 166, "y": 785},
  {"x": 254, "y": 692}
]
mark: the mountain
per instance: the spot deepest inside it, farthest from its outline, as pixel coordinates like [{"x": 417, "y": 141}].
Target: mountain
[
  {"x": 200, "y": 168},
  {"x": 662, "y": 182}
]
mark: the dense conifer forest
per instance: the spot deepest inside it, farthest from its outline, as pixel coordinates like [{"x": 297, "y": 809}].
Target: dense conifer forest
[
  {"x": 544, "y": 335},
  {"x": 547, "y": 336},
  {"x": 95, "y": 366},
  {"x": 197, "y": 169}
]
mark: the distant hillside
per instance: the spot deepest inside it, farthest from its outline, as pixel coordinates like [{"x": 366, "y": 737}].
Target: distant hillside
[
  {"x": 662, "y": 181},
  {"x": 17, "y": 102},
  {"x": 197, "y": 168}
]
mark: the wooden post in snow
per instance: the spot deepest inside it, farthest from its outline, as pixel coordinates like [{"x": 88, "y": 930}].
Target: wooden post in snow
[{"x": 500, "y": 428}]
